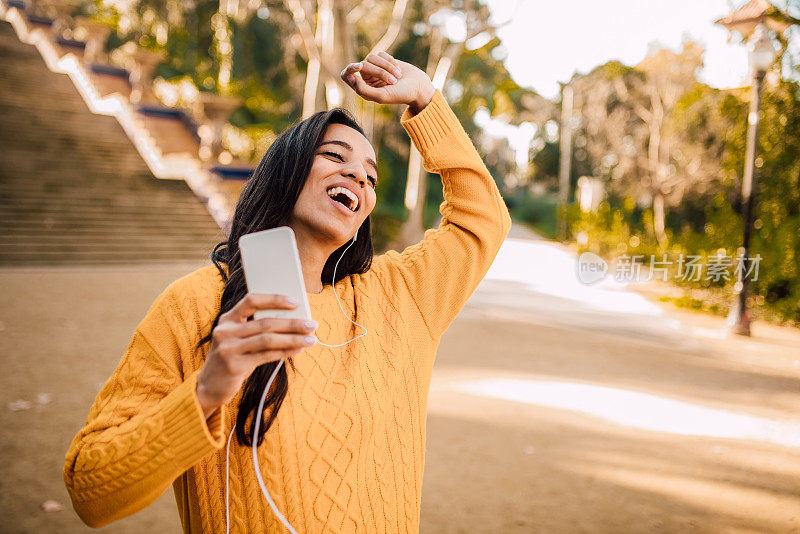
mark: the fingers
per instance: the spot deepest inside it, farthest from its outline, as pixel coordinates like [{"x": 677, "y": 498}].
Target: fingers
[
  {"x": 271, "y": 324},
  {"x": 349, "y": 71},
  {"x": 378, "y": 69},
  {"x": 252, "y": 302},
  {"x": 267, "y": 356},
  {"x": 396, "y": 62},
  {"x": 370, "y": 68},
  {"x": 386, "y": 62},
  {"x": 274, "y": 341},
  {"x": 237, "y": 355},
  {"x": 361, "y": 87}
]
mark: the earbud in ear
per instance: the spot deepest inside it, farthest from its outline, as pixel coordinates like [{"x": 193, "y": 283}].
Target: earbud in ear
[{"x": 355, "y": 236}]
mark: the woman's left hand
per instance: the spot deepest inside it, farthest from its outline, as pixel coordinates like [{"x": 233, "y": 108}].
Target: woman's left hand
[{"x": 383, "y": 79}]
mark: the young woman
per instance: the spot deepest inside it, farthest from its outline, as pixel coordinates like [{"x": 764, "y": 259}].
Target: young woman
[{"x": 341, "y": 443}]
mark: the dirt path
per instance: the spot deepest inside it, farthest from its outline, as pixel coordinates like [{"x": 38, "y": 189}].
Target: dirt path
[
  {"x": 497, "y": 465},
  {"x": 494, "y": 464}
]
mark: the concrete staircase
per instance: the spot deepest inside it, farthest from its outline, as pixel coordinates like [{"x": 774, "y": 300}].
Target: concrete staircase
[{"x": 73, "y": 188}]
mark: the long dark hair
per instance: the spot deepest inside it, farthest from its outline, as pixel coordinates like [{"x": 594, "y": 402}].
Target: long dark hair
[{"x": 266, "y": 201}]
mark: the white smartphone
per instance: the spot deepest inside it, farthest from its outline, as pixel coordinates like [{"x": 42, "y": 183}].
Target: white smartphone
[{"x": 271, "y": 264}]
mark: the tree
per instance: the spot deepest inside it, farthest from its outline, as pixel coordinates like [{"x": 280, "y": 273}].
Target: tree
[
  {"x": 668, "y": 76},
  {"x": 776, "y": 234},
  {"x": 283, "y": 58},
  {"x": 612, "y": 138}
]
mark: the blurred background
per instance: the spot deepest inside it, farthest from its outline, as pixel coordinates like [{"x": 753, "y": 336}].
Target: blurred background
[{"x": 631, "y": 362}]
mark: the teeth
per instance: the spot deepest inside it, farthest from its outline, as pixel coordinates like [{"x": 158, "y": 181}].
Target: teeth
[{"x": 333, "y": 191}]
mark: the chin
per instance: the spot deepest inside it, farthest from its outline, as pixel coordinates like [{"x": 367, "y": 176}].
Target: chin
[{"x": 336, "y": 233}]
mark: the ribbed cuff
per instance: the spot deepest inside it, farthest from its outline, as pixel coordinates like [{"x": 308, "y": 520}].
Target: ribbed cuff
[
  {"x": 191, "y": 436},
  {"x": 431, "y": 125}
]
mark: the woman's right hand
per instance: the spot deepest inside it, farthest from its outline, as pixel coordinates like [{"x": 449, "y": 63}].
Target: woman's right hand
[{"x": 238, "y": 346}]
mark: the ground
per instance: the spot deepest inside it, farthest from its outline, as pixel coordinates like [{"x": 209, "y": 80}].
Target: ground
[{"x": 554, "y": 407}]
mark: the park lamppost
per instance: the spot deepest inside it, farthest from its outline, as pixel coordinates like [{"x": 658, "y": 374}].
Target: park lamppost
[{"x": 761, "y": 55}]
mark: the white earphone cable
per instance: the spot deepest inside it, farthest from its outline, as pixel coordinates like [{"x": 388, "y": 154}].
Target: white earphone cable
[
  {"x": 257, "y": 420},
  {"x": 333, "y": 283},
  {"x": 227, "y": 474},
  {"x": 256, "y": 427}
]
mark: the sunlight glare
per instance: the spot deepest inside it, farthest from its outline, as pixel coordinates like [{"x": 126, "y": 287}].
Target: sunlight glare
[{"x": 635, "y": 409}]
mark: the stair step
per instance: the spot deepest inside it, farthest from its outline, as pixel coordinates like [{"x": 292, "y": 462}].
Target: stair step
[
  {"x": 123, "y": 186},
  {"x": 91, "y": 211},
  {"x": 9, "y": 226},
  {"x": 46, "y": 256},
  {"x": 72, "y": 203},
  {"x": 108, "y": 228},
  {"x": 87, "y": 194},
  {"x": 94, "y": 259},
  {"x": 49, "y": 226},
  {"x": 152, "y": 226},
  {"x": 110, "y": 246},
  {"x": 203, "y": 245},
  {"x": 88, "y": 172},
  {"x": 120, "y": 234},
  {"x": 57, "y": 202},
  {"x": 71, "y": 241}
]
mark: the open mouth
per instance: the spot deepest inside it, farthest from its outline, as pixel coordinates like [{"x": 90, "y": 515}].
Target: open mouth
[{"x": 344, "y": 196}]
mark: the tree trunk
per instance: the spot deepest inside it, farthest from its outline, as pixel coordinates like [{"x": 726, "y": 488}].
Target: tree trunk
[
  {"x": 416, "y": 187},
  {"x": 223, "y": 46},
  {"x": 344, "y": 45},
  {"x": 312, "y": 84},
  {"x": 417, "y": 181},
  {"x": 322, "y": 38},
  {"x": 659, "y": 218},
  {"x": 657, "y": 167}
]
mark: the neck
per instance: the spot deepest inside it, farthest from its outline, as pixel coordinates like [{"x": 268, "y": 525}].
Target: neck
[{"x": 313, "y": 255}]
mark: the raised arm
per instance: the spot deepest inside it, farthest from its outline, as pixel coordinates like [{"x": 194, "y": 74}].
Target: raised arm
[
  {"x": 441, "y": 272},
  {"x": 436, "y": 276},
  {"x": 145, "y": 427}
]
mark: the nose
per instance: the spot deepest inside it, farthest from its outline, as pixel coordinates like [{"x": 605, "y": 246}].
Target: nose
[{"x": 361, "y": 180}]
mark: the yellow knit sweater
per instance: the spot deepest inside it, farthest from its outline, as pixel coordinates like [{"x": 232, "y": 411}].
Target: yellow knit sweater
[{"x": 347, "y": 449}]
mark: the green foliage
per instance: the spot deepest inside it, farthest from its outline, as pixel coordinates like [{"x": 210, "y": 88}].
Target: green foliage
[
  {"x": 259, "y": 77},
  {"x": 433, "y": 199},
  {"x": 538, "y": 212},
  {"x": 386, "y": 226},
  {"x": 715, "y": 225},
  {"x": 544, "y": 166},
  {"x": 484, "y": 82},
  {"x": 696, "y": 170},
  {"x": 776, "y": 233},
  {"x": 613, "y": 69}
]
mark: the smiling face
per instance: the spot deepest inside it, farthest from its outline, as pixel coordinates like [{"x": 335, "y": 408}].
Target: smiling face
[{"x": 339, "y": 192}]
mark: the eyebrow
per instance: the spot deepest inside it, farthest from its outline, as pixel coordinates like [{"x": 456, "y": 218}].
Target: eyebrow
[{"x": 348, "y": 147}]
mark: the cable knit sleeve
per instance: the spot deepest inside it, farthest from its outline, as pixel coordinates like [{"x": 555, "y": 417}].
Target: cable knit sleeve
[
  {"x": 145, "y": 427},
  {"x": 439, "y": 273}
]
